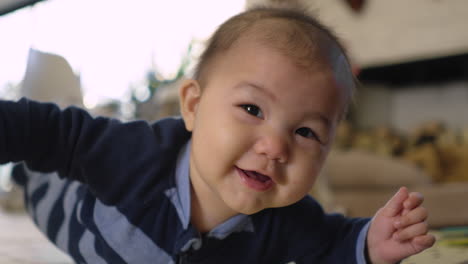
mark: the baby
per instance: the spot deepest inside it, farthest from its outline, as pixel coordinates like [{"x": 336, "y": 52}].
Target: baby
[{"x": 228, "y": 182}]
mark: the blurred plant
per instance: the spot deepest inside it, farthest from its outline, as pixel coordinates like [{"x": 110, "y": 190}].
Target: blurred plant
[
  {"x": 148, "y": 106},
  {"x": 155, "y": 80},
  {"x": 10, "y": 91}
]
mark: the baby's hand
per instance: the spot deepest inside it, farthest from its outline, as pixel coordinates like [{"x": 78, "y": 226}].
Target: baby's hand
[{"x": 399, "y": 229}]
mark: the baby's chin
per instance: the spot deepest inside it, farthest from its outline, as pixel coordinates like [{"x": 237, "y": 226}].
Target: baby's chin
[
  {"x": 250, "y": 210},
  {"x": 243, "y": 208}
]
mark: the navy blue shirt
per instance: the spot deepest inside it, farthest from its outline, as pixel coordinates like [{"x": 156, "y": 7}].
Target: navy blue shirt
[{"x": 111, "y": 192}]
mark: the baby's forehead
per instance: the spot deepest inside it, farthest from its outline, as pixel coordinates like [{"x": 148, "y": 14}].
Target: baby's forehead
[
  {"x": 308, "y": 47},
  {"x": 313, "y": 51}
]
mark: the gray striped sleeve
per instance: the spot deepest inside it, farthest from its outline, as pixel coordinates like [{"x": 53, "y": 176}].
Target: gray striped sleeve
[
  {"x": 127, "y": 240},
  {"x": 88, "y": 252}
]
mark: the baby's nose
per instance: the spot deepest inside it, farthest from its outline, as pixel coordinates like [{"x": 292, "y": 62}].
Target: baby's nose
[{"x": 274, "y": 146}]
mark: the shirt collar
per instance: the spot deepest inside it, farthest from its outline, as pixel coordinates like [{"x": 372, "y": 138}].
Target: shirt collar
[{"x": 183, "y": 184}]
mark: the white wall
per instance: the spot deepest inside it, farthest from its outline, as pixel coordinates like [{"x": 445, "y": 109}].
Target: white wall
[
  {"x": 446, "y": 102},
  {"x": 406, "y": 108}
]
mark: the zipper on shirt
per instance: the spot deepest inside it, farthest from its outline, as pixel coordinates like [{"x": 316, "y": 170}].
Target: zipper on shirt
[{"x": 183, "y": 258}]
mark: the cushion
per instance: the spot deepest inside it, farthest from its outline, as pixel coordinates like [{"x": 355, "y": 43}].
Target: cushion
[{"x": 359, "y": 169}]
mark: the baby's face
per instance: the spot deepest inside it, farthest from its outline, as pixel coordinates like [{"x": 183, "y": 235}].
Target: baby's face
[{"x": 262, "y": 129}]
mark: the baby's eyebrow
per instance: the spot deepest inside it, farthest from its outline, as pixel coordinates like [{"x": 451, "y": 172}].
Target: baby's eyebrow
[
  {"x": 319, "y": 116},
  {"x": 258, "y": 87}
]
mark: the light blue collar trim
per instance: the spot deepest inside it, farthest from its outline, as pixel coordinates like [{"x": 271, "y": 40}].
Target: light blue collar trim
[
  {"x": 183, "y": 184},
  {"x": 180, "y": 198},
  {"x": 237, "y": 223}
]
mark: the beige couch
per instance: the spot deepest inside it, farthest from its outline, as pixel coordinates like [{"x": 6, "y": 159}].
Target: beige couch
[{"x": 358, "y": 183}]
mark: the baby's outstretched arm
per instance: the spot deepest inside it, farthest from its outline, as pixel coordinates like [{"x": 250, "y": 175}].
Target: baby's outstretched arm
[{"x": 399, "y": 229}]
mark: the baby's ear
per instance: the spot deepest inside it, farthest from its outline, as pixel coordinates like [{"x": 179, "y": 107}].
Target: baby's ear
[{"x": 189, "y": 97}]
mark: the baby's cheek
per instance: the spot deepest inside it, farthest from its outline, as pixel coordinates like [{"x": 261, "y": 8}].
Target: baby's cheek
[
  {"x": 304, "y": 178},
  {"x": 239, "y": 138},
  {"x": 312, "y": 160},
  {"x": 296, "y": 190}
]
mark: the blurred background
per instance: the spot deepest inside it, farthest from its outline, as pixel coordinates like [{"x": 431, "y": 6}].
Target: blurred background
[{"x": 408, "y": 125}]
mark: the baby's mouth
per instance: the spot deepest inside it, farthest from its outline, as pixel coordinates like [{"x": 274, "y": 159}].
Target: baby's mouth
[
  {"x": 257, "y": 176},
  {"x": 255, "y": 180}
]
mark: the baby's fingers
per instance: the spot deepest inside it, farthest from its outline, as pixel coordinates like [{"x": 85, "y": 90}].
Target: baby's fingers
[
  {"x": 395, "y": 205},
  {"x": 414, "y": 200},
  {"x": 412, "y": 231},
  {"x": 425, "y": 241},
  {"x": 412, "y": 217},
  {"x": 421, "y": 243}
]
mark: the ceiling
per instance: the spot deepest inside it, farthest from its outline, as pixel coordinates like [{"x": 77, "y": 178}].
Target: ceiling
[{"x": 7, "y": 6}]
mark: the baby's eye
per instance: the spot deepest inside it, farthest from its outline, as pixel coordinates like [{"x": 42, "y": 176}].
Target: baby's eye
[
  {"x": 307, "y": 133},
  {"x": 252, "y": 110}
]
